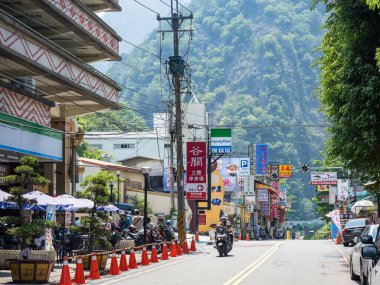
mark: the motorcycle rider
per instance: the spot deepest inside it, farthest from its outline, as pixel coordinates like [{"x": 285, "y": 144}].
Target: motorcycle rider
[
  {"x": 223, "y": 221},
  {"x": 137, "y": 220}
]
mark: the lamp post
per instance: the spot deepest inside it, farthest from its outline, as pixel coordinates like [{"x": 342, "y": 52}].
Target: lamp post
[
  {"x": 111, "y": 182},
  {"x": 118, "y": 187},
  {"x": 145, "y": 171}
]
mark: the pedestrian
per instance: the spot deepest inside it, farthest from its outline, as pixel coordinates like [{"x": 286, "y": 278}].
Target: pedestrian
[
  {"x": 110, "y": 225},
  {"x": 137, "y": 220}
]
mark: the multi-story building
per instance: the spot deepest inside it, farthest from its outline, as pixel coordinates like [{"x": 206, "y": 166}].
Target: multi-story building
[{"x": 46, "y": 80}]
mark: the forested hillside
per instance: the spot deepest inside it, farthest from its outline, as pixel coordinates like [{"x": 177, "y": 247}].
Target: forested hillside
[{"x": 251, "y": 63}]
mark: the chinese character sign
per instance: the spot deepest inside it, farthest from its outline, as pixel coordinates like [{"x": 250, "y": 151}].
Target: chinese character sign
[
  {"x": 196, "y": 162},
  {"x": 262, "y": 195},
  {"x": 261, "y": 159},
  {"x": 221, "y": 141},
  {"x": 285, "y": 170},
  {"x": 196, "y": 171},
  {"x": 265, "y": 208}
]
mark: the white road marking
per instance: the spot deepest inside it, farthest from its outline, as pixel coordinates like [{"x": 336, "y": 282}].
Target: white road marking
[
  {"x": 341, "y": 253},
  {"x": 238, "y": 278}
]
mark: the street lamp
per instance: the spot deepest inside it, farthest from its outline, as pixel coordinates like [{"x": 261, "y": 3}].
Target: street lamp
[
  {"x": 118, "y": 187},
  {"x": 111, "y": 182},
  {"x": 145, "y": 171}
]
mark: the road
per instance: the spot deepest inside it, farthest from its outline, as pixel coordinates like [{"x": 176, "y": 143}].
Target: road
[{"x": 250, "y": 262}]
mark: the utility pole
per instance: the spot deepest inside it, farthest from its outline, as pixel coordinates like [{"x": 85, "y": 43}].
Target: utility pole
[
  {"x": 176, "y": 68},
  {"x": 171, "y": 161}
]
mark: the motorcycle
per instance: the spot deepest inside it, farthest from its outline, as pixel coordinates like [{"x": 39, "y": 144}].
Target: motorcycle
[
  {"x": 222, "y": 241},
  {"x": 152, "y": 236}
]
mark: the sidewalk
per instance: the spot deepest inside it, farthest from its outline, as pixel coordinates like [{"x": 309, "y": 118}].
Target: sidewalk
[{"x": 55, "y": 275}]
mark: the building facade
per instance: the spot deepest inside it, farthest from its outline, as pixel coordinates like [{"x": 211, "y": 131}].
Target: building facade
[{"x": 46, "y": 47}]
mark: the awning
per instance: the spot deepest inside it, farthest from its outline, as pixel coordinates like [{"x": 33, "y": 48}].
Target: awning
[
  {"x": 21, "y": 136},
  {"x": 264, "y": 186}
]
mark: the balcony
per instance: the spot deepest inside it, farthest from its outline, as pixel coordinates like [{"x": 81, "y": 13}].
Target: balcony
[
  {"x": 69, "y": 24},
  {"x": 58, "y": 76}
]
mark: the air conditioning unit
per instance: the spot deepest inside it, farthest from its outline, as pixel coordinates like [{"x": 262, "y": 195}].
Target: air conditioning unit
[{"x": 24, "y": 83}]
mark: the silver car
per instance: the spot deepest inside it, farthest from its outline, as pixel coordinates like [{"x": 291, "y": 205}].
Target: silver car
[{"x": 360, "y": 267}]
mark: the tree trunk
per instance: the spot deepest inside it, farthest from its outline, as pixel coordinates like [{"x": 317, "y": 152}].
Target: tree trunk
[
  {"x": 22, "y": 222},
  {"x": 90, "y": 233}
]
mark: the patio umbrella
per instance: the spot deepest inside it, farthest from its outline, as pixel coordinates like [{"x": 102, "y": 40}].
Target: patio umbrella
[
  {"x": 41, "y": 198},
  {"x": 108, "y": 208},
  {"x": 4, "y": 195},
  {"x": 359, "y": 205},
  {"x": 77, "y": 203}
]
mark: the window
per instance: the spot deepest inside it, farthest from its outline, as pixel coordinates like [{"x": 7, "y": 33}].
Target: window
[
  {"x": 124, "y": 145},
  {"x": 98, "y": 146}
]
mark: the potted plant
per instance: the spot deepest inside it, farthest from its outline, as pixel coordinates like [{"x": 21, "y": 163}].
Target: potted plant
[
  {"x": 96, "y": 188},
  {"x": 25, "y": 176}
]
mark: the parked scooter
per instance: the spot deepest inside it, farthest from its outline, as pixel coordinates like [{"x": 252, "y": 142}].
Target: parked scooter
[
  {"x": 222, "y": 241},
  {"x": 152, "y": 236}
]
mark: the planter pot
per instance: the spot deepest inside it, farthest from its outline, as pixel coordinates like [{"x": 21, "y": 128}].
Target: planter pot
[
  {"x": 31, "y": 271},
  {"x": 100, "y": 257}
]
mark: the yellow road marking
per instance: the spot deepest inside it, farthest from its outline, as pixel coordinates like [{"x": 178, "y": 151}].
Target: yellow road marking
[
  {"x": 341, "y": 253},
  {"x": 238, "y": 278}
]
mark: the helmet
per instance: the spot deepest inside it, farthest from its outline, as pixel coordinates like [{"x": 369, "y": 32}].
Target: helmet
[
  {"x": 169, "y": 223},
  {"x": 223, "y": 219},
  {"x": 136, "y": 212},
  {"x": 132, "y": 228}
]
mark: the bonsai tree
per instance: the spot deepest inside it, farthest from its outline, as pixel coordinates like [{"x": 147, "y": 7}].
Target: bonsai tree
[
  {"x": 96, "y": 188},
  {"x": 26, "y": 176}
]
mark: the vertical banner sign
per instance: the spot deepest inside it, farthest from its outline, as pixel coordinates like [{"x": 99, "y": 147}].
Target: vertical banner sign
[
  {"x": 343, "y": 188},
  {"x": 273, "y": 172},
  {"x": 332, "y": 195},
  {"x": 285, "y": 171},
  {"x": 196, "y": 186},
  {"x": 261, "y": 159},
  {"x": 251, "y": 155},
  {"x": 265, "y": 209},
  {"x": 221, "y": 141},
  {"x": 50, "y": 216},
  {"x": 262, "y": 195},
  {"x": 335, "y": 219},
  {"x": 282, "y": 193},
  {"x": 249, "y": 185}
]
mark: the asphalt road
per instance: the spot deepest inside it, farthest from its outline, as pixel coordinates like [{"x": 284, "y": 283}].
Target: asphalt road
[{"x": 293, "y": 262}]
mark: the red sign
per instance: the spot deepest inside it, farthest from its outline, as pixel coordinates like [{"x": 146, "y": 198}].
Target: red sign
[{"x": 196, "y": 171}]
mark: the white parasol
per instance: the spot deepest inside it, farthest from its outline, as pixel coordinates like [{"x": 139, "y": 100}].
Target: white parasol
[
  {"x": 41, "y": 198},
  {"x": 4, "y": 195},
  {"x": 77, "y": 203},
  {"x": 361, "y": 205}
]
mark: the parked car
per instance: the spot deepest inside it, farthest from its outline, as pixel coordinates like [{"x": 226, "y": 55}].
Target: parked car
[
  {"x": 353, "y": 228},
  {"x": 360, "y": 267},
  {"x": 371, "y": 252}
]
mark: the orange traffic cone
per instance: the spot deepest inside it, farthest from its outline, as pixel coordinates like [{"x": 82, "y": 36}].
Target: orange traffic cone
[
  {"x": 196, "y": 236},
  {"x": 114, "y": 269},
  {"x": 239, "y": 236},
  {"x": 94, "y": 268},
  {"x": 153, "y": 256},
  {"x": 79, "y": 272},
  {"x": 185, "y": 247},
  {"x": 65, "y": 275},
  {"x": 123, "y": 266},
  {"x": 144, "y": 257},
  {"x": 132, "y": 259},
  {"x": 192, "y": 246},
  {"x": 164, "y": 255},
  {"x": 179, "y": 251},
  {"x": 247, "y": 237},
  {"x": 338, "y": 239},
  {"x": 173, "y": 251}
]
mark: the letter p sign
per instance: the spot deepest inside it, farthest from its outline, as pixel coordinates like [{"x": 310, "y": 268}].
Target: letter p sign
[{"x": 244, "y": 163}]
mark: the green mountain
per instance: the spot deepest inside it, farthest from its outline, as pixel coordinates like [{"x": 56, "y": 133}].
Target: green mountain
[{"x": 251, "y": 63}]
